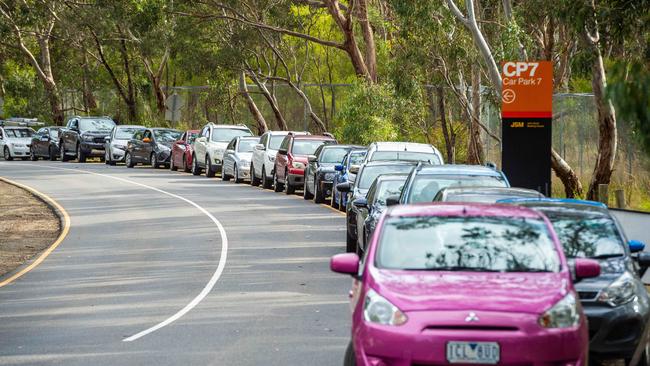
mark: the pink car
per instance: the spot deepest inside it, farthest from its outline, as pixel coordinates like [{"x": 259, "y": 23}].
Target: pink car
[{"x": 465, "y": 284}]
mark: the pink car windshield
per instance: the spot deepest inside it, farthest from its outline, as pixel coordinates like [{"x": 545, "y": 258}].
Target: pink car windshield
[{"x": 481, "y": 244}]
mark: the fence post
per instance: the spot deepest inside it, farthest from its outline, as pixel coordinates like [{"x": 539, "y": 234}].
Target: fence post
[
  {"x": 603, "y": 193},
  {"x": 620, "y": 198}
]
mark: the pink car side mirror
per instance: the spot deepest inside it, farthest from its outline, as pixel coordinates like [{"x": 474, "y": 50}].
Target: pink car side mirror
[
  {"x": 586, "y": 268},
  {"x": 347, "y": 263}
]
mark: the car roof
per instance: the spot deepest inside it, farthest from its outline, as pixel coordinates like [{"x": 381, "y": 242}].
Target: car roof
[
  {"x": 391, "y": 176},
  {"x": 402, "y": 146},
  {"x": 236, "y": 127},
  {"x": 559, "y": 204},
  {"x": 338, "y": 146},
  {"x": 163, "y": 128},
  {"x": 248, "y": 137},
  {"x": 313, "y": 137},
  {"x": 463, "y": 209},
  {"x": 129, "y": 126},
  {"x": 18, "y": 128},
  {"x": 427, "y": 169},
  {"x": 390, "y": 162},
  {"x": 282, "y": 133},
  {"x": 491, "y": 190}
]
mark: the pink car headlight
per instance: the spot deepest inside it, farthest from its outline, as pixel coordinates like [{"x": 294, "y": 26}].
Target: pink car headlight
[
  {"x": 564, "y": 314},
  {"x": 377, "y": 309}
]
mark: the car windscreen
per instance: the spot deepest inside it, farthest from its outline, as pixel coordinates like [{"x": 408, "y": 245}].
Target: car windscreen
[
  {"x": 357, "y": 157},
  {"x": 485, "y": 198},
  {"x": 126, "y": 133},
  {"x": 370, "y": 173},
  {"x": 333, "y": 155},
  {"x": 307, "y": 147},
  {"x": 167, "y": 136},
  {"x": 19, "y": 132},
  {"x": 276, "y": 141},
  {"x": 406, "y": 155},
  {"x": 54, "y": 133},
  {"x": 191, "y": 136},
  {"x": 387, "y": 189},
  {"x": 246, "y": 145},
  {"x": 586, "y": 236},
  {"x": 425, "y": 187},
  {"x": 482, "y": 244},
  {"x": 96, "y": 124},
  {"x": 227, "y": 134}
]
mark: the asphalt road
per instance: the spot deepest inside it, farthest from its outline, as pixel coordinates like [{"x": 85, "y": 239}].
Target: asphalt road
[{"x": 135, "y": 256}]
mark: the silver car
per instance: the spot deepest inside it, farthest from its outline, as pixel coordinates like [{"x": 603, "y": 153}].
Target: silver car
[
  {"x": 115, "y": 143},
  {"x": 237, "y": 158}
]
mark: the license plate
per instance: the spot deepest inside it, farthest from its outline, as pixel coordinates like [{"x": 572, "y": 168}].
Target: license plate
[{"x": 473, "y": 352}]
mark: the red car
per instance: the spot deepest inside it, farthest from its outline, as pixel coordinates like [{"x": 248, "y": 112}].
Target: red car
[
  {"x": 292, "y": 158},
  {"x": 182, "y": 151}
]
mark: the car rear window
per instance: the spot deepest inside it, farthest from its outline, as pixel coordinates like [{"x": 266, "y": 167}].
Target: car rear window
[
  {"x": 19, "y": 132},
  {"x": 276, "y": 141},
  {"x": 485, "y": 197},
  {"x": 482, "y": 244},
  {"x": 163, "y": 136},
  {"x": 389, "y": 188},
  {"x": 96, "y": 124},
  {"x": 227, "y": 134},
  {"x": 333, "y": 155},
  {"x": 425, "y": 187},
  {"x": 126, "y": 133},
  {"x": 246, "y": 145},
  {"x": 406, "y": 155}
]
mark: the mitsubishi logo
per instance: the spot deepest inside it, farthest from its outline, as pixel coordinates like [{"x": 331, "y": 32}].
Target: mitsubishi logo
[{"x": 472, "y": 317}]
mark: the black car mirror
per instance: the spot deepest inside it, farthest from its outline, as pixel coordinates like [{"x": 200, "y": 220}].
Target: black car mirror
[
  {"x": 343, "y": 187},
  {"x": 282, "y": 151},
  {"x": 392, "y": 200},
  {"x": 360, "y": 203},
  {"x": 643, "y": 258}
]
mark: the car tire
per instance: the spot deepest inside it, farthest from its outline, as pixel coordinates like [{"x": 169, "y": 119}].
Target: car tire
[
  {"x": 172, "y": 167},
  {"x": 319, "y": 196},
  {"x": 334, "y": 202},
  {"x": 210, "y": 172},
  {"x": 81, "y": 157},
  {"x": 266, "y": 182},
  {"x": 224, "y": 177},
  {"x": 186, "y": 169},
  {"x": 62, "y": 154},
  {"x": 52, "y": 155},
  {"x": 236, "y": 174},
  {"x": 350, "y": 358},
  {"x": 32, "y": 156},
  {"x": 128, "y": 160},
  {"x": 288, "y": 188},
  {"x": 305, "y": 192},
  {"x": 196, "y": 169},
  {"x": 154, "y": 161},
  {"x": 350, "y": 242},
  {"x": 277, "y": 186},
  {"x": 255, "y": 181},
  {"x": 7, "y": 154}
]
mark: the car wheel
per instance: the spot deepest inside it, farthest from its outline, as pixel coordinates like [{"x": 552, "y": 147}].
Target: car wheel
[
  {"x": 81, "y": 157},
  {"x": 288, "y": 188},
  {"x": 266, "y": 182},
  {"x": 154, "y": 161},
  {"x": 349, "y": 359},
  {"x": 52, "y": 155},
  {"x": 334, "y": 201},
  {"x": 236, "y": 172},
  {"x": 186, "y": 168},
  {"x": 196, "y": 169},
  {"x": 7, "y": 154},
  {"x": 32, "y": 156},
  {"x": 62, "y": 154},
  {"x": 254, "y": 180},
  {"x": 210, "y": 172},
  {"x": 305, "y": 191},
  {"x": 319, "y": 196},
  {"x": 224, "y": 177},
  {"x": 277, "y": 186},
  {"x": 128, "y": 160}
]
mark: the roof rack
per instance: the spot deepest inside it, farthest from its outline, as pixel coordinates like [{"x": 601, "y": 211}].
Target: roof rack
[{"x": 21, "y": 122}]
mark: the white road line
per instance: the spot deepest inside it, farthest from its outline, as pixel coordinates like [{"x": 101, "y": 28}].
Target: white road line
[{"x": 213, "y": 280}]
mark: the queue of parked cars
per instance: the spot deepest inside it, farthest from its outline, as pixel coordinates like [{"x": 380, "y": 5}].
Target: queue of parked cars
[{"x": 450, "y": 265}]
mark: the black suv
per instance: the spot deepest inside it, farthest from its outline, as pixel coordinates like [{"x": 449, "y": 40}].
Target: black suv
[{"x": 84, "y": 137}]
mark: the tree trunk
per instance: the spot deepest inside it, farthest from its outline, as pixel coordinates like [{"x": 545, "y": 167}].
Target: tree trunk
[
  {"x": 572, "y": 185},
  {"x": 131, "y": 104},
  {"x": 273, "y": 102},
  {"x": 475, "y": 149},
  {"x": 252, "y": 107},
  {"x": 90, "y": 102},
  {"x": 369, "y": 40},
  {"x": 447, "y": 131},
  {"x": 54, "y": 98},
  {"x": 607, "y": 133}
]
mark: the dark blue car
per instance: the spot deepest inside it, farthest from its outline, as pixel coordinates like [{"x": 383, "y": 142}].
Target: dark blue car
[
  {"x": 616, "y": 302},
  {"x": 343, "y": 175}
]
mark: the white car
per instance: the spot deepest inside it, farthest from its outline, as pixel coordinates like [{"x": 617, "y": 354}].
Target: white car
[
  {"x": 15, "y": 142},
  {"x": 237, "y": 158},
  {"x": 408, "y": 151},
  {"x": 116, "y": 142},
  {"x": 264, "y": 157},
  {"x": 210, "y": 145}
]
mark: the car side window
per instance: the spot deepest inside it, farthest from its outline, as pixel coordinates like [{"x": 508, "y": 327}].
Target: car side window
[
  {"x": 74, "y": 123},
  {"x": 184, "y": 137},
  {"x": 264, "y": 138},
  {"x": 318, "y": 151},
  {"x": 285, "y": 143},
  {"x": 372, "y": 193},
  {"x": 231, "y": 145},
  {"x": 208, "y": 133},
  {"x": 1, "y": 134}
]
